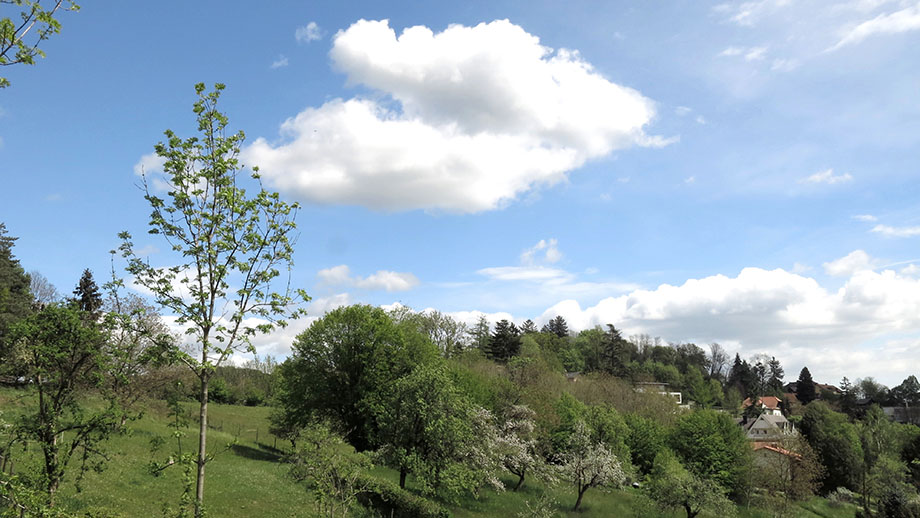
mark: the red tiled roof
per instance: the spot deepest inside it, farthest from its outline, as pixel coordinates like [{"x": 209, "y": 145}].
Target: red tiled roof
[
  {"x": 771, "y": 402},
  {"x": 773, "y": 447}
]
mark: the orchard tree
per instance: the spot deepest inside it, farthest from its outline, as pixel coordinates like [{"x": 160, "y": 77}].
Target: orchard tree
[
  {"x": 21, "y": 35},
  {"x": 230, "y": 246},
  {"x": 672, "y": 486},
  {"x": 587, "y": 462}
]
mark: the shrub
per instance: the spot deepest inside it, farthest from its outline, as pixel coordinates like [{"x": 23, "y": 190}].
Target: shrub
[{"x": 388, "y": 499}]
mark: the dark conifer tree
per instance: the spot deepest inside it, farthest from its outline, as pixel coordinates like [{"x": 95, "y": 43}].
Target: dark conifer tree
[
  {"x": 557, "y": 326},
  {"x": 805, "y": 387},
  {"x": 528, "y": 327},
  {"x": 505, "y": 342},
  {"x": 86, "y": 295},
  {"x": 775, "y": 371},
  {"x": 15, "y": 297}
]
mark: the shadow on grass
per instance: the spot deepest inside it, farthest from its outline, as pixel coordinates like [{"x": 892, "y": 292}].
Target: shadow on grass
[{"x": 255, "y": 453}]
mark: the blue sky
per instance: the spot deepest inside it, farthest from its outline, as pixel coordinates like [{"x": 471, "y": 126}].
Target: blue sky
[{"x": 739, "y": 172}]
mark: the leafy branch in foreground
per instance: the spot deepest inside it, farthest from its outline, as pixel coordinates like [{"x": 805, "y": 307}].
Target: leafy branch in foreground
[{"x": 19, "y": 39}]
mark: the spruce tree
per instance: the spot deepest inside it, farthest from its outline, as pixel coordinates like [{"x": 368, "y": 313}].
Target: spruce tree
[
  {"x": 15, "y": 296},
  {"x": 805, "y": 387},
  {"x": 87, "y": 297},
  {"x": 505, "y": 342}
]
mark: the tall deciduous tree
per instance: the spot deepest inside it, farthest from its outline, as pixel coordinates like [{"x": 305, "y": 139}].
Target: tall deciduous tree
[
  {"x": 671, "y": 486},
  {"x": 342, "y": 368},
  {"x": 230, "y": 247},
  {"x": 21, "y": 35}
]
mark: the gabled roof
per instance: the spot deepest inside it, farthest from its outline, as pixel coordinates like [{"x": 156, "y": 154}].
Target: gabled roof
[
  {"x": 771, "y": 402},
  {"x": 775, "y": 448}
]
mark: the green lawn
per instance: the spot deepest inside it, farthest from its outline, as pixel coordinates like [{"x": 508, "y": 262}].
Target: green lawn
[{"x": 247, "y": 479}]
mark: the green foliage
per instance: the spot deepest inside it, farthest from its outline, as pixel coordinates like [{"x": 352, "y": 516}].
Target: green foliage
[
  {"x": 344, "y": 366},
  {"x": 505, "y": 342},
  {"x": 587, "y": 462},
  {"x": 20, "y": 36},
  {"x": 388, "y": 499},
  {"x": 62, "y": 352},
  {"x": 425, "y": 428},
  {"x": 334, "y": 473},
  {"x": 836, "y": 441},
  {"x": 15, "y": 297},
  {"x": 674, "y": 487},
  {"x": 713, "y": 447},
  {"x": 645, "y": 439},
  {"x": 220, "y": 236}
]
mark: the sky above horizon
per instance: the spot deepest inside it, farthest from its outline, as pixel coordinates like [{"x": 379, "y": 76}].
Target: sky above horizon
[{"x": 742, "y": 173}]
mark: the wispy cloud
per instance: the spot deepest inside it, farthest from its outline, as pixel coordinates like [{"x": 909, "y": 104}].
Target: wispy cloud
[
  {"x": 307, "y": 33},
  {"x": 889, "y": 231},
  {"x": 282, "y": 61},
  {"x": 907, "y": 19},
  {"x": 827, "y": 177},
  {"x": 865, "y": 217},
  {"x": 545, "y": 251}
]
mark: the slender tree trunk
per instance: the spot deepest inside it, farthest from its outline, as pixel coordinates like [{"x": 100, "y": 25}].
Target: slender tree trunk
[
  {"x": 202, "y": 445},
  {"x": 690, "y": 512},
  {"x": 581, "y": 493},
  {"x": 520, "y": 482},
  {"x": 402, "y": 478}
]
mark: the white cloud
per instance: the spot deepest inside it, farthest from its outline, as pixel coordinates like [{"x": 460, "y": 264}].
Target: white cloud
[
  {"x": 855, "y": 261},
  {"x": 545, "y": 251},
  {"x": 523, "y": 273},
  {"x": 755, "y": 53},
  {"x": 732, "y": 51},
  {"x": 282, "y": 61},
  {"x": 690, "y": 180},
  {"x": 827, "y": 176},
  {"x": 381, "y": 280},
  {"x": 907, "y": 19},
  {"x": 150, "y": 166},
  {"x": 889, "y": 231},
  {"x": 481, "y": 116},
  {"x": 748, "y": 13},
  {"x": 865, "y": 217},
  {"x": 700, "y": 119},
  {"x": 786, "y": 314},
  {"x": 307, "y": 33},
  {"x": 682, "y": 110}
]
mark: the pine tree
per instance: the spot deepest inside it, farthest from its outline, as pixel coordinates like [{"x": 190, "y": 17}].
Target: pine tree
[
  {"x": 557, "y": 326},
  {"x": 805, "y": 387},
  {"x": 15, "y": 296},
  {"x": 528, "y": 327},
  {"x": 86, "y": 295},
  {"x": 775, "y": 383},
  {"x": 505, "y": 342}
]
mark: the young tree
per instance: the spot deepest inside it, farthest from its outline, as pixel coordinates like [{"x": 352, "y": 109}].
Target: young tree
[
  {"x": 805, "y": 387},
  {"x": 480, "y": 334},
  {"x": 63, "y": 353},
  {"x": 230, "y": 246},
  {"x": 334, "y": 473},
  {"x": 20, "y": 38},
  {"x": 674, "y": 487},
  {"x": 588, "y": 463},
  {"x": 425, "y": 429},
  {"x": 713, "y": 447}
]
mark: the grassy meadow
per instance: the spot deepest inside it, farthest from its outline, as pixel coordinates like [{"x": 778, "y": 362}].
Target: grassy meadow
[{"x": 248, "y": 476}]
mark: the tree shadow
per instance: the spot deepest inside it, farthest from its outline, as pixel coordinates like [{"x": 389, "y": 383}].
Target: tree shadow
[{"x": 255, "y": 453}]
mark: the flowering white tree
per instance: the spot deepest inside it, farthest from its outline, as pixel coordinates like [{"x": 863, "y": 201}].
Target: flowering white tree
[{"x": 588, "y": 463}]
